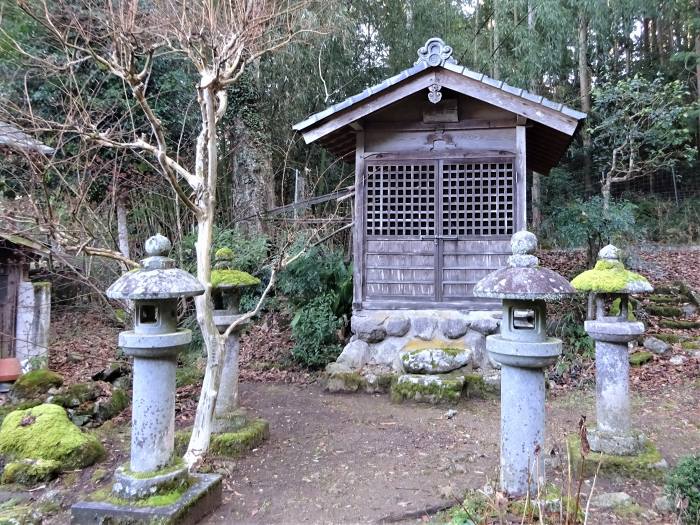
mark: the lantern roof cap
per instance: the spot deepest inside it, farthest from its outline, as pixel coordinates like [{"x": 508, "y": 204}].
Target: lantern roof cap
[
  {"x": 157, "y": 278},
  {"x": 610, "y": 276},
  {"x": 523, "y": 278}
]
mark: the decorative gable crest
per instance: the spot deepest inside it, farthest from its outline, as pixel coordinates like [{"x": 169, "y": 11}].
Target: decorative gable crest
[{"x": 435, "y": 53}]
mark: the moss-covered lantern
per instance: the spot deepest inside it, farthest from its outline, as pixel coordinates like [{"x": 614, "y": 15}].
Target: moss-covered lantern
[
  {"x": 227, "y": 287},
  {"x": 609, "y": 285}
]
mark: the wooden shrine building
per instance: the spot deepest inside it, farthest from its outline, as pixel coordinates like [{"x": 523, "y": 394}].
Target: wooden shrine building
[{"x": 441, "y": 156}]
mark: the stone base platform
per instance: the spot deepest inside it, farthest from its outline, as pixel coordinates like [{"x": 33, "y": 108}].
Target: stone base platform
[
  {"x": 381, "y": 335},
  {"x": 203, "y": 496},
  {"x": 648, "y": 464}
]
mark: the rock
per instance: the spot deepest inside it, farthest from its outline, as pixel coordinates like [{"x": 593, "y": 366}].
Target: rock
[
  {"x": 30, "y": 471},
  {"x": 485, "y": 325},
  {"x": 696, "y": 354},
  {"x": 337, "y": 368},
  {"x": 435, "y": 360},
  {"x": 234, "y": 444},
  {"x": 454, "y": 328},
  {"x": 639, "y": 358},
  {"x": 689, "y": 310},
  {"x": 45, "y": 432},
  {"x": 113, "y": 372},
  {"x": 477, "y": 342},
  {"x": 397, "y": 326},
  {"x": 75, "y": 395},
  {"x": 368, "y": 328},
  {"x": 432, "y": 389},
  {"x": 694, "y": 296},
  {"x": 656, "y": 345},
  {"x": 106, "y": 409},
  {"x": 355, "y": 354},
  {"x": 386, "y": 352},
  {"x": 450, "y": 413},
  {"x": 424, "y": 327},
  {"x": 35, "y": 384},
  {"x": 610, "y": 500},
  {"x": 678, "y": 360},
  {"x": 664, "y": 505}
]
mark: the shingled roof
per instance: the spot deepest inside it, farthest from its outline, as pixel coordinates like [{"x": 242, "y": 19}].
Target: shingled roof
[{"x": 553, "y": 124}]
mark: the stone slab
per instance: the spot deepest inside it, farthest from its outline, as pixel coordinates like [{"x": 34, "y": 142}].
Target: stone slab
[{"x": 199, "y": 500}]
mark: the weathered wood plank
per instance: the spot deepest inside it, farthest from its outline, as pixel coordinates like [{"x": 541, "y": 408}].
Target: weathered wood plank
[
  {"x": 413, "y": 142},
  {"x": 358, "y": 235},
  {"x": 521, "y": 178}
]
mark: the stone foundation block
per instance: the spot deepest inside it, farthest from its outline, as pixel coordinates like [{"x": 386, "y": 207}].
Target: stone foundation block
[
  {"x": 355, "y": 354},
  {"x": 235, "y": 444},
  {"x": 202, "y": 497},
  {"x": 433, "y": 389},
  {"x": 435, "y": 360},
  {"x": 648, "y": 464}
]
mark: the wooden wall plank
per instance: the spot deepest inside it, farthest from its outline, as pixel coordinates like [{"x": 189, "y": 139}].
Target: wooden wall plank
[
  {"x": 521, "y": 179},
  {"x": 358, "y": 232}
]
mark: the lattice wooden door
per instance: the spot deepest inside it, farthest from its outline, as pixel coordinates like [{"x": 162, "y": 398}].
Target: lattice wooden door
[{"x": 429, "y": 226}]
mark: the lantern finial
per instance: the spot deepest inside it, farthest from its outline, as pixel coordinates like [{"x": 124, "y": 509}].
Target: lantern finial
[{"x": 158, "y": 245}]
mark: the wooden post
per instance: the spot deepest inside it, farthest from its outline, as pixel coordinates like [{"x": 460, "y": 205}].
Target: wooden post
[
  {"x": 521, "y": 178},
  {"x": 299, "y": 190},
  {"x": 358, "y": 233}
]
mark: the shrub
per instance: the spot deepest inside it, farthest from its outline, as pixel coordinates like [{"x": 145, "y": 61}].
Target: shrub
[
  {"x": 320, "y": 271},
  {"x": 315, "y": 332},
  {"x": 585, "y": 223},
  {"x": 683, "y": 483},
  {"x": 248, "y": 252},
  {"x": 666, "y": 221}
]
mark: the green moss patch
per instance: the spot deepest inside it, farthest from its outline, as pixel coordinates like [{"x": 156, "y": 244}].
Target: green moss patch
[
  {"x": 446, "y": 390},
  {"x": 416, "y": 345},
  {"x": 176, "y": 464},
  {"x": 664, "y": 311},
  {"x": 663, "y": 299},
  {"x": 45, "y": 432},
  {"x": 15, "y": 513},
  {"x": 345, "y": 382},
  {"x": 234, "y": 444},
  {"x": 157, "y": 500},
  {"x": 232, "y": 278},
  {"x": 671, "y": 339},
  {"x": 640, "y": 466},
  {"x": 35, "y": 383},
  {"x": 690, "y": 345},
  {"x": 640, "y": 358},
  {"x": 224, "y": 254},
  {"x": 30, "y": 471},
  {"x": 677, "y": 324},
  {"x": 606, "y": 277}
]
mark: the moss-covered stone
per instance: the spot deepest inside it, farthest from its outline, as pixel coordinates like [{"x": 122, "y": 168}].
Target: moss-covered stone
[
  {"x": 223, "y": 254},
  {"x": 431, "y": 389},
  {"x": 30, "y": 471},
  {"x": 157, "y": 500},
  {"x": 345, "y": 382},
  {"x": 639, "y": 358},
  {"x": 671, "y": 339},
  {"x": 664, "y": 311},
  {"x": 176, "y": 464},
  {"x": 13, "y": 512},
  {"x": 45, "y": 432},
  {"x": 678, "y": 324},
  {"x": 75, "y": 395},
  {"x": 663, "y": 299},
  {"x": 34, "y": 384},
  {"x": 690, "y": 345},
  {"x": 99, "y": 474},
  {"x": 232, "y": 278},
  {"x": 645, "y": 465},
  {"x": 234, "y": 444},
  {"x": 112, "y": 407},
  {"x": 615, "y": 309},
  {"x": 608, "y": 277},
  {"x": 6, "y": 409}
]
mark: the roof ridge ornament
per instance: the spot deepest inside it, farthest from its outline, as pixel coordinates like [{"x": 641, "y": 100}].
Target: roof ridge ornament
[{"x": 435, "y": 53}]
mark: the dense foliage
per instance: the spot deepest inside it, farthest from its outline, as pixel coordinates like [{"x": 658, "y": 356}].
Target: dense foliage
[{"x": 683, "y": 486}]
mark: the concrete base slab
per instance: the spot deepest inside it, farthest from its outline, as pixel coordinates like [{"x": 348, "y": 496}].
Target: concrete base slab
[
  {"x": 648, "y": 464},
  {"x": 618, "y": 445},
  {"x": 199, "y": 500}
]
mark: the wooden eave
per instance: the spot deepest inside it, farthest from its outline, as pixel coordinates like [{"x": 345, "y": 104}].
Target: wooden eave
[{"x": 552, "y": 125}]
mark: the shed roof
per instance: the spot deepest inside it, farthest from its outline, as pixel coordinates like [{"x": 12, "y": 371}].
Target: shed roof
[{"x": 553, "y": 124}]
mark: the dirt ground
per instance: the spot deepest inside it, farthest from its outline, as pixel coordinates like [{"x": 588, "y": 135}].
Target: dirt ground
[{"x": 361, "y": 459}]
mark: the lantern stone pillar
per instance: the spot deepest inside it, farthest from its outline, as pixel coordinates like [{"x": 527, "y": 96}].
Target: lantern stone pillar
[
  {"x": 523, "y": 350},
  {"x": 610, "y": 285},
  {"x": 154, "y": 343}
]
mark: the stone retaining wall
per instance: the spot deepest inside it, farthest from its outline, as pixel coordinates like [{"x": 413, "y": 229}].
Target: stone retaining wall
[{"x": 380, "y": 335}]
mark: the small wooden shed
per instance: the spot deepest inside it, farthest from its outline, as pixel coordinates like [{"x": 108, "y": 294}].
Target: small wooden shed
[{"x": 441, "y": 158}]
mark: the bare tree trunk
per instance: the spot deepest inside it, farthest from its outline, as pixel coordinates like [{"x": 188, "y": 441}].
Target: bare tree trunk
[
  {"x": 585, "y": 91},
  {"x": 122, "y": 227},
  {"x": 606, "y": 190},
  {"x": 201, "y": 430}
]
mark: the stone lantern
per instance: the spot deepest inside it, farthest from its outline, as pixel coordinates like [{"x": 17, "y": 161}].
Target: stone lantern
[
  {"x": 523, "y": 350},
  {"x": 609, "y": 285},
  {"x": 154, "y": 344},
  {"x": 227, "y": 285}
]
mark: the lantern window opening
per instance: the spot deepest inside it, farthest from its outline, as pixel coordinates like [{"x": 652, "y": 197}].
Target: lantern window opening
[
  {"x": 523, "y": 319},
  {"x": 148, "y": 314}
]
